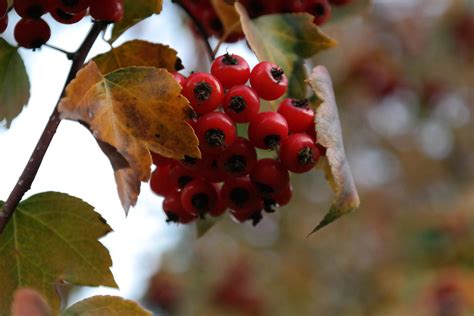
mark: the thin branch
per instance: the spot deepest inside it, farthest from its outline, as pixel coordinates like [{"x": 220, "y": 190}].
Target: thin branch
[
  {"x": 69, "y": 55},
  {"x": 200, "y": 28},
  {"x": 32, "y": 167}
]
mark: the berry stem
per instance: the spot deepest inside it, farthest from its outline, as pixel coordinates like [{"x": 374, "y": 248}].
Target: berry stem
[
  {"x": 202, "y": 31},
  {"x": 31, "y": 169},
  {"x": 69, "y": 55}
]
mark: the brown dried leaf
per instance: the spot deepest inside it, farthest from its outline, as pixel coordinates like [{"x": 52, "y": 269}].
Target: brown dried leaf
[
  {"x": 139, "y": 53},
  {"x": 134, "y": 110},
  {"x": 329, "y": 133},
  {"x": 229, "y": 17}
]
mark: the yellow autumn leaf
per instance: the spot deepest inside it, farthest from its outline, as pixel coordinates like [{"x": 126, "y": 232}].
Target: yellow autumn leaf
[
  {"x": 131, "y": 111},
  {"x": 329, "y": 133}
]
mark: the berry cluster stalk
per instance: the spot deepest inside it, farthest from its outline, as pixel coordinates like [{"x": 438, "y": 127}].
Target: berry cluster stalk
[{"x": 31, "y": 169}]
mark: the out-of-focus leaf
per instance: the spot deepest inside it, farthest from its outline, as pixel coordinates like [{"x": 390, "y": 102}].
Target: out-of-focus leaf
[
  {"x": 134, "y": 110},
  {"x": 52, "y": 238},
  {"x": 229, "y": 17},
  {"x": 351, "y": 10},
  {"x": 106, "y": 305},
  {"x": 28, "y": 302},
  {"x": 204, "y": 225},
  {"x": 14, "y": 83},
  {"x": 328, "y": 128},
  {"x": 286, "y": 40},
  {"x": 135, "y": 12},
  {"x": 139, "y": 53}
]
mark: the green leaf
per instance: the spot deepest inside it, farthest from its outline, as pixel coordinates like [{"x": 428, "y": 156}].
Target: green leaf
[
  {"x": 285, "y": 40},
  {"x": 328, "y": 129},
  {"x": 139, "y": 53},
  {"x": 204, "y": 225},
  {"x": 135, "y": 12},
  {"x": 52, "y": 238},
  {"x": 106, "y": 305},
  {"x": 14, "y": 83}
]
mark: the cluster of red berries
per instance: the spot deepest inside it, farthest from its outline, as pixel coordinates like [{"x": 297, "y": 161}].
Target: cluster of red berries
[
  {"x": 207, "y": 16},
  {"x": 230, "y": 175},
  {"x": 32, "y": 31}
]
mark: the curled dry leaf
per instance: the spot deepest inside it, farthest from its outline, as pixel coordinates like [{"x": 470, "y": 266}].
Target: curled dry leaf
[
  {"x": 106, "y": 305},
  {"x": 52, "y": 238},
  {"x": 285, "y": 40},
  {"x": 134, "y": 110},
  {"x": 329, "y": 133},
  {"x": 28, "y": 302},
  {"x": 139, "y": 53}
]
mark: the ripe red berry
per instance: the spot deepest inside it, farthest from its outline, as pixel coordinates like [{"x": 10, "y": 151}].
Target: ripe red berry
[
  {"x": 31, "y": 9},
  {"x": 267, "y": 130},
  {"x": 210, "y": 21},
  {"x": 175, "y": 211},
  {"x": 298, "y": 114},
  {"x": 3, "y": 8},
  {"x": 32, "y": 33},
  {"x": 204, "y": 92},
  {"x": 199, "y": 197},
  {"x": 238, "y": 159},
  {"x": 179, "y": 77},
  {"x": 268, "y": 80},
  {"x": 215, "y": 132},
  {"x": 282, "y": 198},
  {"x": 160, "y": 181},
  {"x": 320, "y": 9},
  {"x": 297, "y": 6},
  {"x": 72, "y": 6},
  {"x": 241, "y": 103},
  {"x": 240, "y": 194},
  {"x": 107, "y": 10},
  {"x": 180, "y": 176},
  {"x": 269, "y": 176},
  {"x": 298, "y": 153},
  {"x": 220, "y": 207},
  {"x": 231, "y": 70},
  {"x": 209, "y": 170},
  {"x": 65, "y": 17},
  {"x": 3, "y": 23},
  {"x": 241, "y": 216}
]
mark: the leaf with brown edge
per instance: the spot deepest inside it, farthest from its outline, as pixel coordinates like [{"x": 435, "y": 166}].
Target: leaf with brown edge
[
  {"x": 52, "y": 238},
  {"x": 28, "y": 302},
  {"x": 229, "y": 17},
  {"x": 134, "y": 12},
  {"x": 328, "y": 128},
  {"x": 134, "y": 110},
  {"x": 139, "y": 53},
  {"x": 285, "y": 40},
  {"x": 106, "y": 305}
]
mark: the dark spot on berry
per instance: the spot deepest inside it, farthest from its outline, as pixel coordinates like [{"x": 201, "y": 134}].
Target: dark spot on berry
[
  {"x": 216, "y": 24},
  {"x": 237, "y": 104},
  {"x": 277, "y": 74},
  {"x": 239, "y": 196},
  {"x": 305, "y": 156},
  {"x": 35, "y": 11},
  {"x": 215, "y": 137},
  {"x": 70, "y": 3},
  {"x": 318, "y": 9},
  {"x": 269, "y": 205},
  {"x": 202, "y": 91},
  {"x": 200, "y": 201},
  {"x": 64, "y": 15},
  {"x": 263, "y": 188},
  {"x": 183, "y": 180},
  {"x": 229, "y": 59},
  {"x": 189, "y": 161},
  {"x": 272, "y": 141},
  {"x": 235, "y": 163},
  {"x": 300, "y": 103}
]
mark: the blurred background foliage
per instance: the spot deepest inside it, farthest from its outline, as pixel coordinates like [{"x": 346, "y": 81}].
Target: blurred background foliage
[{"x": 404, "y": 78}]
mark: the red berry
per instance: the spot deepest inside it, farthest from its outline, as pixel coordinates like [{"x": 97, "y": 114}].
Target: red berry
[
  {"x": 72, "y": 6},
  {"x": 3, "y": 23},
  {"x": 269, "y": 176},
  {"x": 204, "y": 92},
  {"x": 298, "y": 153},
  {"x": 180, "y": 176},
  {"x": 231, "y": 70},
  {"x": 340, "y": 2},
  {"x": 215, "y": 132},
  {"x": 297, "y": 6},
  {"x": 220, "y": 207},
  {"x": 238, "y": 159},
  {"x": 268, "y": 80},
  {"x": 282, "y": 198},
  {"x": 208, "y": 169},
  {"x": 240, "y": 194},
  {"x": 320, "y": 9},
  {"x": 107, "y": 10},
  {"x": 175, "y": 211},
  {"x": 255, "y": 8},
  {"x": 160, "y": 181},
  {"x": 32, "y": 33},
  {"x": 267, "y": 130},
  {"x": 241, "y": 216},
  {"x": 31, "y": 9},
  {"x": 241, "y": 103},
  {"x": 160, "y": 160},
  {"x": 179, "y": 77},
  {"x": 199, "y": 197},
  {"x": 210, "y": 21},
  {"x": 298, "y": 114},
  {"x": 65, "y": 17},
  {"x": 3, "y": 8}
]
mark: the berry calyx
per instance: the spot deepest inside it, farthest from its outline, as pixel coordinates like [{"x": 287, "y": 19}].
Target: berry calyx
[
  {"x": 320, "y": 9},
  {"x": 299, "y": 153},
  {"x": 268, "y": 80},
  {"x": 32, "y": 33},
  {"x": 107, "y": 10},
  {"x": 238, "y": 159},
  {"x": 298, "y": 114},
  {"x": 180, "y": 176},
  {"x": 267, "y": 130},
  {"x": 241, "y": 103},
  {"x": 199, "y": 197},
  {"x": 230, "y": 70},
  {"x": 72, "y": 6},
  {"x": 175, "y": 211},
  {"x": 269, "y": 176},
  {"x": 240, "y": 194},
  {"x": 204, "y": 92},
  {"x": 65, "y": 17},
  {"x": 215, "y": 132}
]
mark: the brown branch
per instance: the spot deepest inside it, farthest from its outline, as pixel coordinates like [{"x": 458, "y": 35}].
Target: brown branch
[{"x": 31, "y": 169}]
